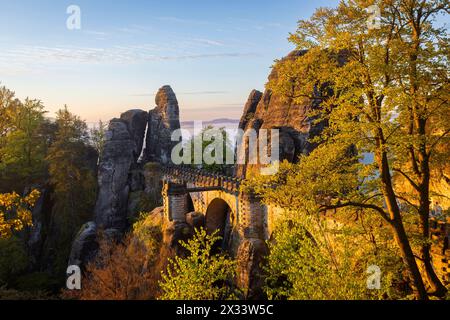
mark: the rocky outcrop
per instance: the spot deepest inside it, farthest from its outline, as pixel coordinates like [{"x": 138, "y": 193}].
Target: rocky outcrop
[
  {"x": 250, "y": 258},
  {"x": 196, "y": 220},
  {"x": 119, "y": 157},
  {"x": 275, "y": 112},
  {"x": 121, "y": 167},
  {"x": 162, "y": 121},
  {"x": 84, "y": 246},
  {"x": 136, "y": 121},
  {"x": 122, "y": 182},
  {"x": 250, "y": 108},
  {"x": 36, "y": 234}
]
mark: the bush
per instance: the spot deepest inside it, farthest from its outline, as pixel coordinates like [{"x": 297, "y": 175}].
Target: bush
[
  {"x": 202, "y": 275},
  {"x": 13, "y": 259},
  {"x": 330, "y": 264},
  {"x": 37, "y": 282},
  {"x": 9, "y": 294},
  {"x": 127, "y": 270}
]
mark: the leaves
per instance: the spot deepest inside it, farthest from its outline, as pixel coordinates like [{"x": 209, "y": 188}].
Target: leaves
[
  {"x": 202, "y": 275},
  {"x": 15, "y": 212}
]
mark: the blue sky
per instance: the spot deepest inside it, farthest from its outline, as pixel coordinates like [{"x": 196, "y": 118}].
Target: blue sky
[{"x": 212, "y": 53}]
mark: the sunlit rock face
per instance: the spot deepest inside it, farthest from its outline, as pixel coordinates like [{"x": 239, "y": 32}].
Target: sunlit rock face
[
  {"x": 271, "y": 111},
  {"x": 162, "y": 121},
  {"x": 250, "y": 108}
]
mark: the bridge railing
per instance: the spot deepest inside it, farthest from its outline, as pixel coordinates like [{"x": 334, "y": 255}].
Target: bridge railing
[{"x": 200, "y": 177}]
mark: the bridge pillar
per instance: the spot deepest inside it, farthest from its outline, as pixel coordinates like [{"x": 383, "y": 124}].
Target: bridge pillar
[
  {"x": 175, "y": 201},
  {"x": 251, "y": 216},
  {"x": 252, "y": 248}
]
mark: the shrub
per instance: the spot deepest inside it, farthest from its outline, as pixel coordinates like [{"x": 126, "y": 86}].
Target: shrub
[
  {"x": 13, "y": 259},
  {"x": 202, "y": 275},
  {"x": 127, "y": 270}
]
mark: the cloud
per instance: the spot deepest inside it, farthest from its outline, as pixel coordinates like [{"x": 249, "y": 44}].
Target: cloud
[
  {"x": 96, "y": 33},
  {"x": 209, "y": 55},
  {"x": 134, "y": 29},
  {"x": 31, "y": 55},
  {"x": 209, "y": 42},
  {"x": 182, "y": 20}
]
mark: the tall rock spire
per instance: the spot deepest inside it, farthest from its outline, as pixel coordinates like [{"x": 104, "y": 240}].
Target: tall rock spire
[{"x": 162, "y": 121}]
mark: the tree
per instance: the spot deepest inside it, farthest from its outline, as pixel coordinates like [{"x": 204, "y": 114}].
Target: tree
[
  {"x": 13, "y": 260},
  {"x": 384, "y": 92},
  {"x": 311, "y": 259},
  {"x": 97, "y": 136},
  {"x": 8, "y": 104},
  {"x": 208, "y": 142},
  {"x": 24, "y": 147},
  {"x": 15, "y": 212},
  {"x": 202, "y": 275},
  {"x": 71, "y": 168}
]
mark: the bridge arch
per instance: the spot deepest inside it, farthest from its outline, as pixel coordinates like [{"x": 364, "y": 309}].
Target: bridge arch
[{"x": 219, "y": 216}]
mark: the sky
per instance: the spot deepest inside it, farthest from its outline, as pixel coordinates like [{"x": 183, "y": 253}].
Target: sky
[{"x": 212, "y": 53}]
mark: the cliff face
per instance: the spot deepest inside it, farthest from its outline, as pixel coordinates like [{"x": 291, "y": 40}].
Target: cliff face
[
  {"x": 119, "y": 157},
  {"x": 270, "y": 111},
  {"x": 121, "y": 179}
]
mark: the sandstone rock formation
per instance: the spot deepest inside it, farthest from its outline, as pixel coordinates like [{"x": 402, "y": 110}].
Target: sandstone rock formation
[
  {"x": 121, "y": 179},
  {"x": 120, "y": 169},
  {"x": 250, "y": 108},
  {"x": 162, "y": 121},
  {"x": 196, "y": 220},
  {"x": 36, "y": 235},
  {"x": 136, "y": 121},
  {"x": 270, "y": 111},
  {"x": 85, "y": 246},
  {"x": 119, "y": 157},
  {"x": 250, "y": 258}
]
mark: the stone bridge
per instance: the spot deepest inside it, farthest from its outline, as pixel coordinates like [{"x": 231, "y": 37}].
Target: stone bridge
[
  {"x": 241, "y": 219},
  {"x": 236, "y": 214}
]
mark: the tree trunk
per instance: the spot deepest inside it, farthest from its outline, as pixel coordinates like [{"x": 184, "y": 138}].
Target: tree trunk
[
  {"x": 436, "y": 286},
  {"x": 396, "y": 222},
  {"x": 409, "y": 260}
]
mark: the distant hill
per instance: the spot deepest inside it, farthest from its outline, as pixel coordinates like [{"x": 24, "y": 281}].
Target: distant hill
[{"x": 211, "y": 122}]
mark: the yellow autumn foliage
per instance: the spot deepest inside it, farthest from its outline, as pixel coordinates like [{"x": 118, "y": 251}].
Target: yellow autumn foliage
[{"x": 15, "y": 212}]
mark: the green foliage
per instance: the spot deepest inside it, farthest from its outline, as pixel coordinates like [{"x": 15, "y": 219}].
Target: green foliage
[
  {"x": 202, "y": 275},
  {"x": 148, "y": 230},
  {"x": 310, "y": 261},
  {"x": 382, "y": 91},
  {"x": 73, "y": 180},
  {"x": 8, "y": 105},
  {"x": 307, "y": 272},
  {"x": 208, "y": 142},
  {"x": 97, "y": 136},
  {"x": 37, "y": 282},
  {"x": 23, "y": 144},
  {"x": 13, "y": 259},
  {"x": 69, "y": 168},
  {"x": 36, "y": 151}
]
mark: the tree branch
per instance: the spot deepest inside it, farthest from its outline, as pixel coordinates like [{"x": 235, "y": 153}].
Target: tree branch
[
  {"x": 411, "y": 181},
  {"x": 383, "y": 214}
]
